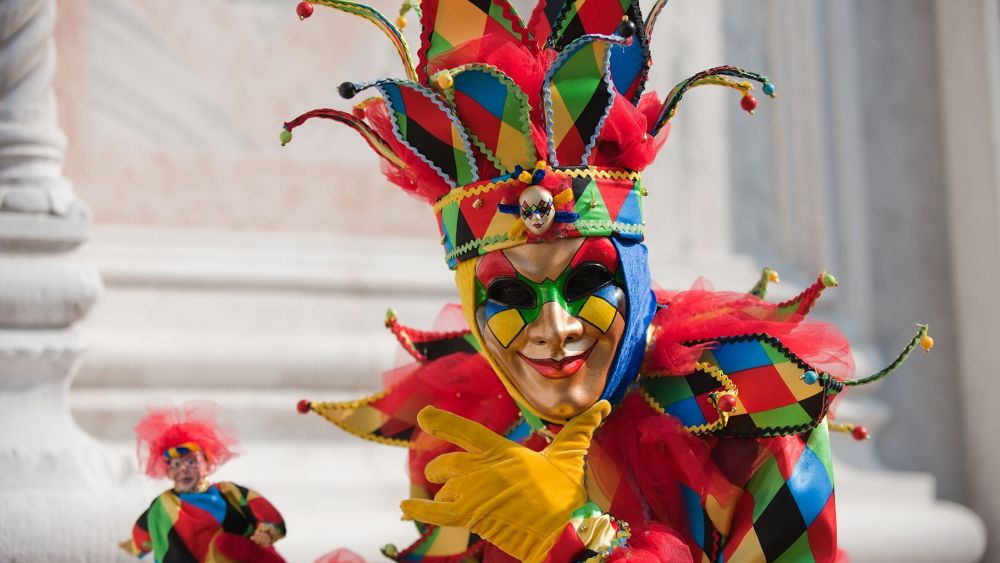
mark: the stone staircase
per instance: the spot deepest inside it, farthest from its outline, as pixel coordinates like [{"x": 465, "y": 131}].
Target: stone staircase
[{"x": 256, "y": 323}]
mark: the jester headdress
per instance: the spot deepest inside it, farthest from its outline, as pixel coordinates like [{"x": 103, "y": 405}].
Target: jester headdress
[
  {"x": 521, "y": 133},
  {"x": 171, "y": 432}
]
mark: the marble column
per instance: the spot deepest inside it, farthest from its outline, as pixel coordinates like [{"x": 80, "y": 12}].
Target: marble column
[
  {"x": 54, "y": 491},
  {"x": 968, "y": 52}
]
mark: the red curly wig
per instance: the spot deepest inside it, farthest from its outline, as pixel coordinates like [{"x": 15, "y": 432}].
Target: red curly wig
[{"x": 164, "y": 428}]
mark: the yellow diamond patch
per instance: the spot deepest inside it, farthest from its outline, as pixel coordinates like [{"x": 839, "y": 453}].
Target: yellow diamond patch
[
  {"x": 598, "y": 312},
  {"x": 506, "y": 325}
]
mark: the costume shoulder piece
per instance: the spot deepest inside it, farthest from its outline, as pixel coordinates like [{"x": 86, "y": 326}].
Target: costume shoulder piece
[
  {"x": 734, "y": 365},
  {"x": 448, "y": 372}
]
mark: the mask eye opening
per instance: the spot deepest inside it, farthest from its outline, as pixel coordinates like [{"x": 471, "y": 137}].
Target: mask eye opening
[
  {"x": 586, "y": 279},
  {"x": 511, "y": 292}
]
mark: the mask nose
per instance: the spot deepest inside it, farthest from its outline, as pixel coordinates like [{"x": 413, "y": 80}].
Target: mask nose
[{"x": 552, "y": 331}]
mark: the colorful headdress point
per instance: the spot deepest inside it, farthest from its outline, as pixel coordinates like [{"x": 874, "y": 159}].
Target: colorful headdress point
[{"x": 521, "y": 133}]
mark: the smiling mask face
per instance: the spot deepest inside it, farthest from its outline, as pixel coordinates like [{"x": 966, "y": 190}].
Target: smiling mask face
[{"x": 552, "y": 315}]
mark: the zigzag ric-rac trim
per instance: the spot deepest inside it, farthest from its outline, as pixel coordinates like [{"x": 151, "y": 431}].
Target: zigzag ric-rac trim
[
  {"x": 603, "y": 173},
  {"x": 462, "y": 193},
  {"x": 476, "y": 244},
  {"x": 609, "y": 226}
]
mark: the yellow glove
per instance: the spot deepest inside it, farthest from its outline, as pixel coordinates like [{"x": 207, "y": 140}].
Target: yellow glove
[{"x": 517, "y": 499}]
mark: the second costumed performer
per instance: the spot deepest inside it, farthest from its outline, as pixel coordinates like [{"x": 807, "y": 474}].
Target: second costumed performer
[{"x": 581, "y": 415}]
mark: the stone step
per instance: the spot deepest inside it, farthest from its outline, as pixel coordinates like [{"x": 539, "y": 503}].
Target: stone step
[
  {"x": 110, "y": 413},
  {"x": 338, "y": 491}
]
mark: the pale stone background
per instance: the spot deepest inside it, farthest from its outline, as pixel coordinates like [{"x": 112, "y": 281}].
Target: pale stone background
[{"x": 255, "y": 275}]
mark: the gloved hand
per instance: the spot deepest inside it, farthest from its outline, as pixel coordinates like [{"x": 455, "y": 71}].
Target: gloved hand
[{"x": 517, "y": 499}]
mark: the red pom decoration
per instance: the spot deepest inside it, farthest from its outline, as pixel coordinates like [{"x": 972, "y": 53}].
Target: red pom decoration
[
  {"x": 860, "y": 433},
  {"x": 303, "y": 406},
  {"x": 727, "y": 403},
  {"x": 304, "y": 10},
  {"x": 748, "y": 103}
]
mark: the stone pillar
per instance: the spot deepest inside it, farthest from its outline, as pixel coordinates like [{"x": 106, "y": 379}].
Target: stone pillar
[
  {"x": 56, "y": 479},
  {"x": 968, "y": 50},
  {"x": 812, "y": 204}
]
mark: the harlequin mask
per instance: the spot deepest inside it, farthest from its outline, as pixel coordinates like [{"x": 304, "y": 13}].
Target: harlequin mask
[{"x": 552, "y": 316}]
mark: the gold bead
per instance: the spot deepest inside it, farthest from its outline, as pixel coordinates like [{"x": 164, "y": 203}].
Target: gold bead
[
  {"x": 401, "y": 23},
  {"x": 772, "y": 276},
  {"x": 926, "y": 342},
  {"x": 643, "y": 192},
  {"x": 477, "y": 204},
  {"x": 445, "y": 80},
  {"x": 593, "y": 204}
]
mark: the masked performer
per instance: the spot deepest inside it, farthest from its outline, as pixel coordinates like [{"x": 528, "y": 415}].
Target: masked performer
[
  {"x": 199, "y": 521},
  {"x": 581, "y": 415}
]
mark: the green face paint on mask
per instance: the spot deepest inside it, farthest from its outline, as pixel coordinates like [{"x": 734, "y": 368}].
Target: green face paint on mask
[{"x": 589, "y": 291}]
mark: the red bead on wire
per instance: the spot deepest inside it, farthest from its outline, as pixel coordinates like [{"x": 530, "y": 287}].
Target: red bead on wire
[
  {"x": 748, "y": 103},
  {"x": 727, "y": 403},
  {"x": 860, "y": 433},
  {"x": 303, "y": 406},
  {"x": 304, "y": 10}
]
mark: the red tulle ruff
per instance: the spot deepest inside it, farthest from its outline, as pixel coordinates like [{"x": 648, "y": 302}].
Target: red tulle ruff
[
  {"x": 660, "y": 455},
  {"x": 623, "y": 142},
  {"x": 518, "y": 62},
  {"x": 164, "y": 428},
  {"x": 416, "y": 177},
  {"x": 700, "y": 315},
  {"x": 654, "y": 543},
  {"x": 463, "y": 384}
]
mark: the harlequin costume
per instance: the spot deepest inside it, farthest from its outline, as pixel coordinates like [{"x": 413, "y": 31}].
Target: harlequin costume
[
  {"x": 710, "y": 438},
  {"x": 212, "y": 525}
]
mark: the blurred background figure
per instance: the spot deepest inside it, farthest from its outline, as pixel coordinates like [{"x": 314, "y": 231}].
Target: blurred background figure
[
  {"x": 197, "y": 519},
  {"x": 253, "y": 275}
]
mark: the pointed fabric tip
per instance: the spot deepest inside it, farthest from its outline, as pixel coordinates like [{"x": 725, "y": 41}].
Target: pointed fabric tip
[
  {"x": 767, "y": 276},
  {"x": 419, "y": 343},
  {"x": 917, "y": 338},
  {"x": 727, "y": 76},
  {"x": 801, "y": 304}
]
